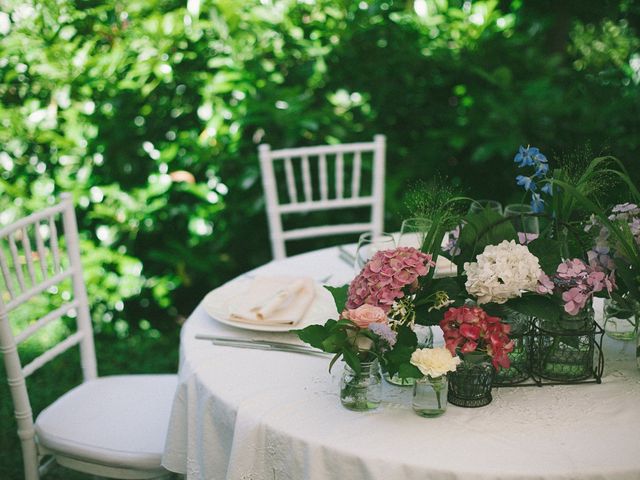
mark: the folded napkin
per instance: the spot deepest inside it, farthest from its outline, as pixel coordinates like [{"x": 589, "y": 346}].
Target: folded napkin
[{"x": 273, "y": 301}]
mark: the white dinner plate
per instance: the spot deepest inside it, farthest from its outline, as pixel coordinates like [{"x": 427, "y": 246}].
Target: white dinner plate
[{"x": 216, "y": 304}]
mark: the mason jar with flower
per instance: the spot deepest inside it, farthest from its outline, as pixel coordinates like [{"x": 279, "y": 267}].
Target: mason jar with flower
[
  {"x": 364, "y": 332},
  {"x": 613, "y": 254},
  {"x": 359, "y": 336},
  {"x": 430, "y": 391},
  {"x": 390, "y": 280},
  {"x": 483, "y": 343},
  {"x": 564, "y": 346}
]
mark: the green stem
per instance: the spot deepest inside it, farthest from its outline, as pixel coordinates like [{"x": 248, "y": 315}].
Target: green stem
[{"x": 436, "y": 383}]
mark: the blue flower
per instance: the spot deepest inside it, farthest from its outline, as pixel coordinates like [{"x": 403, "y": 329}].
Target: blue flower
[
  {"x": 538, "y": 156},
  {"x": 541, "y": 170},
  {"x": 547, "y": 188},
  {"x": 537, "y": 203},
  {"x": 526, "y": 182},
  {"x": 524, "y": 156}
]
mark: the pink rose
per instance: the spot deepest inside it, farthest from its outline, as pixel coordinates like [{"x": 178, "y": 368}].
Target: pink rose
[{"x": 365, "y": 315}]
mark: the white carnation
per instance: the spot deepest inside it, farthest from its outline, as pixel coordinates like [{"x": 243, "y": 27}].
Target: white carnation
[
  {"x": 434, "y": 362},
  {"x": 502, "y": 272}
]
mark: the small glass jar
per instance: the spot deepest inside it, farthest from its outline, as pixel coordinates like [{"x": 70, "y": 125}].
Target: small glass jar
[
  {"x": 430, "y": 396},
  {"x": 620, "y": 321},
  {"x": 361, "y": 391}
]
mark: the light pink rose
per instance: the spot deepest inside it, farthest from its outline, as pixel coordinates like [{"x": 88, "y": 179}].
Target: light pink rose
[{"x": 365, "y": 315}]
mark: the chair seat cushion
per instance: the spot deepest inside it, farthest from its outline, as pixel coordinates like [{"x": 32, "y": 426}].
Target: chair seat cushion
[{"x": 118, "y": 421}]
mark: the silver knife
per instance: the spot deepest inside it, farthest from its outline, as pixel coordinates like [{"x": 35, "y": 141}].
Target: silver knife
[{"x": 261, "y": 345}]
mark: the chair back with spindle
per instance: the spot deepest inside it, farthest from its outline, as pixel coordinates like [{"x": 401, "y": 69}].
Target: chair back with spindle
[
  {"x": 318, "y": 178},
  {"x": 38, "y": 254}
]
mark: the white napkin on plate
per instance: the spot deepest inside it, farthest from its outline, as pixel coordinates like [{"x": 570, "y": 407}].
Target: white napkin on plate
[{"x": 273, "y": 301}]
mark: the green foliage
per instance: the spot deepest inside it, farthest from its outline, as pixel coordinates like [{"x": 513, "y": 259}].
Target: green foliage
[
  {"x": 537, "y": 306},
  {"x": 340, "y": 295},
  {"x": 343, "y": 338},
  {"x": 481, "y": 229},
  {"x": 429, "y": 311},
  {"x": 548, "y": 253},
  {"x": 397, "y": 360}
]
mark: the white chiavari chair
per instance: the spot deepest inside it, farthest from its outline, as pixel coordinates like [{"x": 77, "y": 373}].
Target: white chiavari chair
[
  {"x": 321, "y": 178},
  {"x": 111, "y": 426}
]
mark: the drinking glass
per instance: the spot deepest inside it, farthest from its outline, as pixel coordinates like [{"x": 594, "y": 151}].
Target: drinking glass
[
  {"x": 413, "y": 232},
  {"x": 523, "y": 220},
  {"x": 478, "y": 206},
  {"x": 369, "y": 244}
]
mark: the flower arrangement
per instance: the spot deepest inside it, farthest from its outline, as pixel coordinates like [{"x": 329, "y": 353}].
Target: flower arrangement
[
  {"x": 471, "y": 329},
  {"x": 551, "y": 278},
  {"x": 563, "y": 198},
  {"x": 364, "y": 330},
  {"x": 615, "y": 251}
]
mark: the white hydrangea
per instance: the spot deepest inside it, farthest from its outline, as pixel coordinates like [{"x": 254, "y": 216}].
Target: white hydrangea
[{"x": 502, "y": 272}]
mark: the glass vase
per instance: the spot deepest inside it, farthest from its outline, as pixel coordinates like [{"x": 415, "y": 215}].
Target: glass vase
[
  {"x": 361, "y": 391},
  {"x": 470, "y": 384},
  {"x": 519, "y": 357},
  {"x": 430, "y": 396},
  {"x": 424, "y": 335},
  {"x": 620, "y": 321},
  {"x": 564, "y": 349}
]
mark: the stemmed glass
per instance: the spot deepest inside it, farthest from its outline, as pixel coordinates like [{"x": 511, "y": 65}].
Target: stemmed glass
[
  {"x": 523, "y": 220},
  {"x": 369, "y": 244},
  {"x": 478, "y": 206},
  {"x": 413, "y": 232}
]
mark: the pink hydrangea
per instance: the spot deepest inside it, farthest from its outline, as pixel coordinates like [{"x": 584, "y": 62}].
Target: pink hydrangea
[
  {"x": 384, "y": 277},
  {"x": 545, "y": 284},
  {"x": 576, "y": 282},
  {"x": 575, "y": 299}
]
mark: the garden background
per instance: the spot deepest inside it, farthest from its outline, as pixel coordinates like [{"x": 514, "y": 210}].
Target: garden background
[{"x": 150, "y": 112}]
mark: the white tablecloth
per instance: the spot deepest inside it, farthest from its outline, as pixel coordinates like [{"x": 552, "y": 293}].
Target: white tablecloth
[{"x": 255, "y": 415}]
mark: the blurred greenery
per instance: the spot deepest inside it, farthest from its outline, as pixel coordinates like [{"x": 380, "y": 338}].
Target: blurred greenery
[{"x": 150, "y": 113}]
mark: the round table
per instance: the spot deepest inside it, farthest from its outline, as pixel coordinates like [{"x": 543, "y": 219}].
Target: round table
[{"x": 243, "y": 414}]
